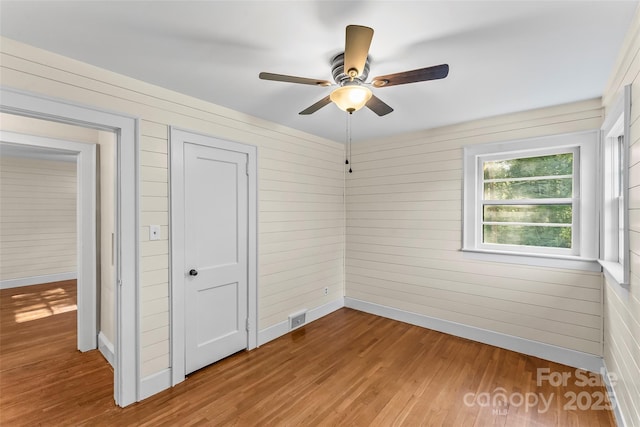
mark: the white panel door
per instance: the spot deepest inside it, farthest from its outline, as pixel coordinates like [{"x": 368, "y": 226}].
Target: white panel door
[{"x": 216, "y": 220}]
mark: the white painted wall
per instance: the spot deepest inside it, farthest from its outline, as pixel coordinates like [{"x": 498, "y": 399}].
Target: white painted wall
[
  {"x": 37, "y": 219},
  {"x": 29, "y": 194},
  {"x": 49, "y": 129},
  {"x": 404, "y": 219},
  {"x": 622, "y": 307},
  {"x": 301, "y": 217}
]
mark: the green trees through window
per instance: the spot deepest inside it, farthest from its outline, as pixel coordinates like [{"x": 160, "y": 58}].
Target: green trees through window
[{"x": 529, "y": 201}]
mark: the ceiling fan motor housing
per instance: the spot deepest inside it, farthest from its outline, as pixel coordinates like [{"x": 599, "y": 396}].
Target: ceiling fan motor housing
[{"x": 341, "y": 77}]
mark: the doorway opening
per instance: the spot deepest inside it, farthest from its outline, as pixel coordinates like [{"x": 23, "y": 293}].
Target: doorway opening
[
  {"x": 124, "y": 253},
  {"x": 57, "y": 239},
  {"x": 39, "y": 179}
]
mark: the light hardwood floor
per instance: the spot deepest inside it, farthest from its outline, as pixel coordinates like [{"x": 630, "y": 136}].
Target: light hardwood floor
[{"x": 346, "y": 369}]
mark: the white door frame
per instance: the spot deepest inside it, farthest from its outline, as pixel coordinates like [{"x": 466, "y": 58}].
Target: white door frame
[
  {"x": 177, "y": 140},
  {"x": 85, "y": 227},
  {"x": 126, "y": 354}
]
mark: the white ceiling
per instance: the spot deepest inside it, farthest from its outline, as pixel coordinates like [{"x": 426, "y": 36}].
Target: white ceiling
[{"x": 504, "y": 56}]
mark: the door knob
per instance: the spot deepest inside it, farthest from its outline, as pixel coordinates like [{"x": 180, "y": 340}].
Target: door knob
[{"x": 193, "y": 272}]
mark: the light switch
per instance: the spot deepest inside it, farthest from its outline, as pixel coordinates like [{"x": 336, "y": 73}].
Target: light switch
[{"x": 154, "y": 232}]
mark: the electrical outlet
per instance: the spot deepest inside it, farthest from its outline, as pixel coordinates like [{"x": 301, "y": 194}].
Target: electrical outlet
[{"x": 326, "y": 290}]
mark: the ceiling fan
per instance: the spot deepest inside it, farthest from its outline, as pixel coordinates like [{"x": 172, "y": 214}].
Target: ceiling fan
[{"x": 350, "y": 71}]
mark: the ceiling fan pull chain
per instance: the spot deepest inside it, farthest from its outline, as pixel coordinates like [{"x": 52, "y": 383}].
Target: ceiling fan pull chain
[
  {"x": 346, "y": 143},
  {"x": 349, "y": 138}
]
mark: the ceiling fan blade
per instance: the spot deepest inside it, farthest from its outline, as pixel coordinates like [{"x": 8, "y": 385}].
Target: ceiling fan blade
[
  {"x": 356, "y": 48},
  {"x": 376, "y": 105},
  {"x": 293, "y": 79},
  {"x": 315, "y": 107},
  {"x": 413, "y": 76}
]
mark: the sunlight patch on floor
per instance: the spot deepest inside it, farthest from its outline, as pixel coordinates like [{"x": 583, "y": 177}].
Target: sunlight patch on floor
[{"x": 34, "y": 306}]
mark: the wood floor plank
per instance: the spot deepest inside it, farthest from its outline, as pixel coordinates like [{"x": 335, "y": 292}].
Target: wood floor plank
[{"x": 348, "y": 368}]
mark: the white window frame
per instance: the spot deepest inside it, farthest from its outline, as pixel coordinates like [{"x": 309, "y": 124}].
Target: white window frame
[
  {"x": 614, "y": 218},
  {"x": 584, "y": 251}
]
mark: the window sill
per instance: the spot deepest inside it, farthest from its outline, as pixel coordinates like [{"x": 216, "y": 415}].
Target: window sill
[
  {"x": 614, "y": 272},
  {"x": 539, "y": 260}
]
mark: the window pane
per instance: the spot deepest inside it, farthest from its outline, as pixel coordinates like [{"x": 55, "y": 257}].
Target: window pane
[
  {"x": 557, "y": 164},
  {"x": 620, "y": 166},
  {"x": 532, "y": 189},
  {"x": 555, "y": 214},
  {"x": 553, "y": 237},
  {"x": 621, "y": 235}
]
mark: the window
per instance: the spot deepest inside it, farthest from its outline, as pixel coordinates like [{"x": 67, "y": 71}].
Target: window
[
  {"x": 533, "y": 199},
  {"x": 614, "y": 251},
  {"x": 527, "y": 203}
]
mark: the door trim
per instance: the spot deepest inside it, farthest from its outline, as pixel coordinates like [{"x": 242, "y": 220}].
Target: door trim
[
  {"x": 86, "y": 260},
  {"x": 177, "y": 139},
  {"x": 127, "y": 354}
]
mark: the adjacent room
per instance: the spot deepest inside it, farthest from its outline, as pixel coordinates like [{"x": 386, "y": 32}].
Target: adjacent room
[{"x": 320, "y": 213}]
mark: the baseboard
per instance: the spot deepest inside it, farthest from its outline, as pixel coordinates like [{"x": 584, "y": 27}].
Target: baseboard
[
  {"x": 576, "y": 359},
  {"x": 617, "y": 412},
  {"x": 106, "y": 348},
  {"x": 154, "y": 384},
  {"x": 282, "y": 328},
  {"x": 37, "y": 280}
]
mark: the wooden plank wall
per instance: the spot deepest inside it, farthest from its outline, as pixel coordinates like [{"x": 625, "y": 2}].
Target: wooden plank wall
[
  {"x": 300, "y": 210},
  {"x": 622, "y": 308},
  {"x": 37, "y": 217},
  {"x": 28, "y": 187},
  {"x": 404, "y": 233}
]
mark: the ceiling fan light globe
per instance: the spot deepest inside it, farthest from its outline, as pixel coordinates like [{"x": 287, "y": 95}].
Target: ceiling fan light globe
[{"x": 350, "y": 98}]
